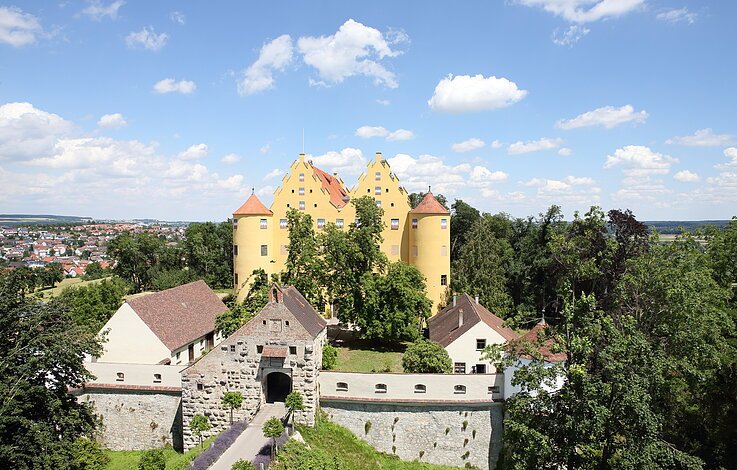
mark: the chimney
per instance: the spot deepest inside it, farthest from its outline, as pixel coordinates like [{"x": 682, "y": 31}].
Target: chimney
[
  {"x": 477, "y": 299},
  {"x": 378, "y": 156},
  {"x": 460, "y": 318},
  {"x": 275, "y": 294},
  {"x": 455, "y": 297}
]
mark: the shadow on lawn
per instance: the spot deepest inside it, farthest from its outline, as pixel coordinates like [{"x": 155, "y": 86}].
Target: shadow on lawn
[{"x": 346, "y": 338}]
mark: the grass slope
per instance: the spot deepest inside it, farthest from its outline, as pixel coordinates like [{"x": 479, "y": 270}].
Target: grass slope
[
  {"x": 48, "y": 293},
  {"x": 331, "y": 443},
  {"x": 128, "y": 459}
]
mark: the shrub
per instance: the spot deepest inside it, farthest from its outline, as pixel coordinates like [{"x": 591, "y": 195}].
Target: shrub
[
  {"x": 367, "y": 427},
  {"x": 329, "y": 356},
  {"x": 232, "y": 400},
  {"x": 426, "y": 357},
  {"x": 89, "y": 455},
  {"x": 242, "y": 465},
  {"x": 273, "y": 428},
  {"x": 198, "y": 425},
  {"x": 153, "y": 459}
]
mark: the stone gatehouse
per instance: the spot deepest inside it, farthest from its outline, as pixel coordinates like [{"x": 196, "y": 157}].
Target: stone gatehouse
[{"x": 276, "y": 352}]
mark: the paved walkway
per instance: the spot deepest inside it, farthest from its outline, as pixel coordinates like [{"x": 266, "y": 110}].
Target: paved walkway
[{"x": 252, "y": 439}]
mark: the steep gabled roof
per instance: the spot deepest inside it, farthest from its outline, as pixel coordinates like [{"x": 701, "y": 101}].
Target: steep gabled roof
[
  {"x": 533, "y": 338},
  {"x": 253, "y": 206},
  {"x": 429, "y": 205},
  {"x": 302, "y": 310},
  {"x": 331, "y": 184},
  {"x": 444, "y": 327},
  {"x": 179, "y": 315}
]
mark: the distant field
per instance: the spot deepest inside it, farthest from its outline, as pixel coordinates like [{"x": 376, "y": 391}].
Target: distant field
[
  {"x": 28, "y": 219},
  {"x": 67, "y": 282}
]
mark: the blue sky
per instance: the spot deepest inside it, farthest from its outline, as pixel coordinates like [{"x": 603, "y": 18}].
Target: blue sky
[{"x": 175, "y": 110}]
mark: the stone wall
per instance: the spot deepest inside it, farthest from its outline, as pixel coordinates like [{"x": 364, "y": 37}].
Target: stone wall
[
  {"x": 137, "y": 419},
  {"x": 444, "y": 434}
]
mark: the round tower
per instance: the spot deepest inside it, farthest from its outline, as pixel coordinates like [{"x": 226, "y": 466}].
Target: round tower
[
  {"x": 429, "y": 240},
  {"x": 252, "y": 242}
]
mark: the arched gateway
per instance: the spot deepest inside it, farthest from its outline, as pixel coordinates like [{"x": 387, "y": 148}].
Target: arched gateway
[{"x": 278, "y": 386}]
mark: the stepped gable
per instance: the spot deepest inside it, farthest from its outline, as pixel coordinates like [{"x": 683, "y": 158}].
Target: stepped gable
[
  {"x": 331, "y": 184},
  {"x": 429, "y": 205},
  {"x": 179, "y": 315},
  {"x": 302, "y": 310},
  {"x": 253, "y": 206},
  {"x": 444, "y": 327},
  {"x": 544, "y": 348}
]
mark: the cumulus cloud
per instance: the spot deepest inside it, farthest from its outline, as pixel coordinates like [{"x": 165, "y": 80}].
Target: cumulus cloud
[
  {"x": 368, "y": 132},
  {"x": 349, "y": 161},
  {"x": 98, "y": 10},
  {"x": 586, "y": 11},
  {"x": 275, "y": 55},
  {"x": 639, "y": 161},
  {"x": 265, "y": 149},
  {"x": 468, "y": 145},
  {"x": 731, "y": 153},
  {"x": 677, "y": 15},
  {"x": 497, "y": 144},
  {"x": 112, "y": 121},
  {"x": 570, "y": 36},
  {"x": 146, "y": 38},
  {"x": 178, "y": 17},
  {"x": 27, "y": 132},
  {"x": 607, "y": 116},
  {"x": 355, "y": 49},
  {"x": 275, "y": 173},
  {"x": 463, "y": 93},
  {"x": 545, "y": 143},
  {"x": 18, "y": 28},
  {"x": 481, "y": 174},
  {"x": 230, "y": 158},
  {"x": 565, "y": 152},
  {"x": 194, "y": 152},
  {"x": 170, "y": 85},
  {"x": 703, "y": 138},
  {"x": 686, "y": 176}
]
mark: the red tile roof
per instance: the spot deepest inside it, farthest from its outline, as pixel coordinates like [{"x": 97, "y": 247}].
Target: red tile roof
[
  {"x": 180, "y": 315},
  {"x": 532, "y": 337},
  {"x": 429, "y": 205},
  {"x": 274, "y": 351},
  {"x": 253, "y": 206},
  {"x": 444, "y": 327},
  {"x": 330, "y": 183}
]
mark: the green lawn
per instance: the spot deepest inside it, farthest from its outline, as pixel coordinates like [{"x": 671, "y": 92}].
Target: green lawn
[
  {"x": 128, "y": 459},
  {"x": 357, "y": 355},
  {"x": 330, "y": 442},
  {"x": 48, "y": 293}
]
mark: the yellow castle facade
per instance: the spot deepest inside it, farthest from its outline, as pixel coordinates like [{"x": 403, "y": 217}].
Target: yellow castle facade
[{"x": 419, "y": 236}]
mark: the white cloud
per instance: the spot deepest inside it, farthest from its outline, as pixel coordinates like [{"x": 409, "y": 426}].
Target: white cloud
[
  {"x": 463, "y": 93},
  {"x": 98, "y": 10},
  {"x": 265, "y": 149},
  {"x": 178, "y": 17},
  {"x": 731, "y": 153},
  {"x": 146, "y": 38},
  {"x": 231, "y": 158},
  {"x": 639, "y": 161},
  {"x": 497, "y": 144},
  {"x": 194, "y": 152},
  {"x": 368, "y": 132},
  {"x": 468, "y": 145},
  {"x": 267, "y": 190},
  {"x": 384, "y": 102},
  {"x": 686, "y": 176},
  {"x": 276, "y": 172},
  {"x": 349, "y": 161},
  {"x": 481, "y": 174},
  {"x": 232, "y": 182},
  {"x": 355, "y": 49},
  {"x": 677, "y": 15},
  {"x": 565, "y": 152},
  {"x": 112, "y": 121},
  {"x": 18, "y": 28},
  {"x": 545, "y": 143},
  {"x": 571, "y": 36},
  {"x": 703, "y": 138},
  {"x": 275, "y": 55},
  {"x": 607, "y": 116},
  {"x": 27, "y": 132},
  {"x": 170, "y": 85},
  {"x": 585, "y": 11}
]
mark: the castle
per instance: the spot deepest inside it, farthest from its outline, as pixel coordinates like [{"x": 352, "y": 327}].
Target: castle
[{"x": 419, "y": 236}]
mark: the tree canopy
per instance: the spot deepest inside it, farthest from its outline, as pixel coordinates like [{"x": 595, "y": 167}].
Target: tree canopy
[{"x": 426, "y": 357}]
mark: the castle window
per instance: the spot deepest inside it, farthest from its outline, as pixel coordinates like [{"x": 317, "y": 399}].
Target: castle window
[
  {"x": 232, "y": 348},
  {"x": 378, "y": 176},
  {"x": 310, "y": 191},
  {"x": 395, "y": 224},
  {"x": 480, "y": 344},
  {"x": 459, "y": 389},
  {"x": 200, "y": 387},
  {"x": 493, "y": 389},
  {"x": 443, "y": 223},
  {"x": 339, "y": 223},
  {"x": 377, "y": 190},
  {"x": 392, "y": 204},
  {"x": 368, "y": 190},
  {"x": 283, "y": 223},
  {"x": 293, "y": 191},
  {"x": 357, "y": 222},
  {"x": 264, "y": 224},
  {"x": 286, "y": 322},
  {"x": 293, "y": 350},
  {"x": 315, "y": 205},
  {"x": 380, "y": 388},
  {"x": 301, "y": 176},
  {"x": 259, "y": 349},
  {"x": 235, "y": 281},
  {"x": 444, "y": 250},
  {"x": 459, "y": 368},
  {"x": 179, "y": 353},
  {"x": 301, "y": 205},
  {"x": 120, "y": 377},
  {"x": 320, "y": 223},
  {"x": 443, "y": 279},
  {"x": 341, "y": 387},
  {"x": 288, "y": 205},
  {"x": 414, "y": 223},
  {"x": 420, "y": 388},
  {"x": 378, "y": 203},
  {"x": 235, "y": 224},
  {"x": 480, "y": 369},
  {"x": 264, "y": 250},
  {"x": 301, "y": 191},
  {"x": 235, "y": 250},
  {"x": 157, "y": 378}
]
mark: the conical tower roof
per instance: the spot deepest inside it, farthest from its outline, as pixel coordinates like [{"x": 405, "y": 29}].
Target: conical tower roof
[
  {"x": 429, "y": 205},
  {"x": 253, "y": 206}
]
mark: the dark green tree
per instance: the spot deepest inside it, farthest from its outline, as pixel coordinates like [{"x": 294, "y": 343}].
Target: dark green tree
[
  {"x": 89, "y": 455},
  {"x": 239, "y": 313},
  {"x": 135, "y": 256},
  {"x": 462, "y": 219},
  {"x": 273, "y": 429},
  {"x": 426, "y": 357},
  {"x": 329, "y": 356},
  {"x": 231, "y": 401},
  {"x": 199, "y": 425},
  {"x": 294, "y": 402},
  {"x": 95, "y": 271},
  {"x": 303, "y": 268},
  {"x": 91, "y": 306},
  {"x": 153, "y": 459},
  {"x": 208, "y": 248}
]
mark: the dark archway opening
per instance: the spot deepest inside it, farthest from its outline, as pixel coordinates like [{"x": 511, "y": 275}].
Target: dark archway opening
[{"x": 278, "y": 386}]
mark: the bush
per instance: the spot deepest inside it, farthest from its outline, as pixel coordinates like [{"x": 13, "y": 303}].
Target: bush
[
  {"x": 153, "y": 459},
  {"x": 242, "y": 465},
  {"x": 426, "y": 357},
  {"x": 329, "y": 356},
  {"x": 89, "y": 455}
]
